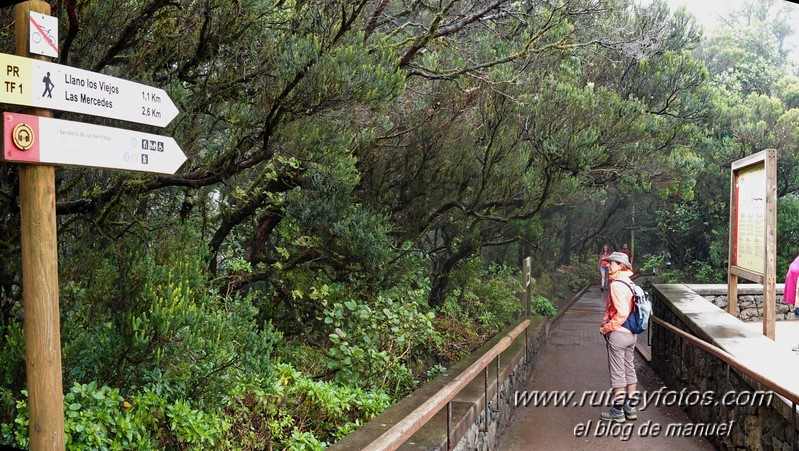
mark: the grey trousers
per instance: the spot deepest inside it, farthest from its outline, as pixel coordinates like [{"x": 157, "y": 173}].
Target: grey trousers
[{"x": 621, "y": 350}]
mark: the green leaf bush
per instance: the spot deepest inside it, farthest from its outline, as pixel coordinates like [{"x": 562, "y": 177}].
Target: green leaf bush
[
  {"x": 374, "y": 342},
  {"x": 541, "y": 306}
]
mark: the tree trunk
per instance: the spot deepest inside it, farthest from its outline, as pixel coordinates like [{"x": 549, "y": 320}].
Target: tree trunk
[{"x": 566, "y": 250}]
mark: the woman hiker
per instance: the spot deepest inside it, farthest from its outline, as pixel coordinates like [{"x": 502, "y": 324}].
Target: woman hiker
[{"x": 620, "y": 340}]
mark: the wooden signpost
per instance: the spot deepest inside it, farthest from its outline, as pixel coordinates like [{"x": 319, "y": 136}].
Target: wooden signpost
[{"x": 35, "y": 137}]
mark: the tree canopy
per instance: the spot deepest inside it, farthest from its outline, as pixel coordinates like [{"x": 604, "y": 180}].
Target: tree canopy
[{"x": 363, "y": 179}]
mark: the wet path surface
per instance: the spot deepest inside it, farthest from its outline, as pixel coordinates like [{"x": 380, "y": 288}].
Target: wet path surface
[{"x": 574, "y": 360}]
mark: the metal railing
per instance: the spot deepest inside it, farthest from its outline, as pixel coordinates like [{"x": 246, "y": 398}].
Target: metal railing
[
  {"x": 405, "y": 428},
  {"x": 730, "y": 360}
]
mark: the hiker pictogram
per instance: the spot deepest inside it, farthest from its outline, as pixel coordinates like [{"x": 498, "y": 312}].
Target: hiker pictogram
[{"x": 48, "y": 86}]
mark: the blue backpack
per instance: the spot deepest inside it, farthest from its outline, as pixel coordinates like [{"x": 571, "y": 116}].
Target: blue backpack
[{"x": 638, "y": 320}]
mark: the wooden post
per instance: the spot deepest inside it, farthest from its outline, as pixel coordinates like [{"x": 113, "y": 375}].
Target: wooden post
[
  {"x": 732, "y": 294},
  {"x": 40, "y": 279},
  {"x": 732, "y": 277},
  {"x": 770, "y": 263},
  {"x": 527, "y": 284}
]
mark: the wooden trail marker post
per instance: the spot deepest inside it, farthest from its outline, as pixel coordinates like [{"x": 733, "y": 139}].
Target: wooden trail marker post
[
  {"x": 40, "y": 280},
  {"x": 527, "y": 285},
  {"x": 131, "y": 150}
]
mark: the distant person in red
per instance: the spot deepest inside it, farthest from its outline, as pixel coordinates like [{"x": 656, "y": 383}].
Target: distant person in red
[
  {"x": 789, "y": 293},
  {"x": 626, "y": 251},
  {"x": 603, "y": 267}
]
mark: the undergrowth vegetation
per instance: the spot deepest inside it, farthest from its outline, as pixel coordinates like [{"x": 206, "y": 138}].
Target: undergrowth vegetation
[{"x": 176, "y": 365}]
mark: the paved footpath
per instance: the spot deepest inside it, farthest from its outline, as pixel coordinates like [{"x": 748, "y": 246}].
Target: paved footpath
[{"x": 574, "y": 359}]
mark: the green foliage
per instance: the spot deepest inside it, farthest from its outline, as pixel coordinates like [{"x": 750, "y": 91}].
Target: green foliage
[
  {"x": 12, "y": 362},
  {"x": 374, "y": 341},
  {"x": 304, "y": 441},
  {"x": 100, "y": 418},
  {"x": 787, "y": 89},
  {"x": 350, "y": 179},
  {"x": 684, "y": 228},
  {"x": 298, "y": 411},
  {"x": 435, "y": 371},
  {"x": 292, "y": 412},
  {"x": 178, "y": 355},
  {"x": 694, "y": 272},
  {"x": 560, "y": 284},
  {"x": 654, "y": 263},
  {"x": 541, "y": 306},
  {"x": 578, "y": 282},
  {"x": 489, "y": 295},
  {"x": 484, "y": 302},
  {"x": 16, "y": 433},
  {"x": 178, "y": 331}
]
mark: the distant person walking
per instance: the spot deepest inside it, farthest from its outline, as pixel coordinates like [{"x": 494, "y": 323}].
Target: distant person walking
[
  {"x": 603, "y": 267},
  {"x": 626, "y": 251},
  {"x": 620, "y": 341}
]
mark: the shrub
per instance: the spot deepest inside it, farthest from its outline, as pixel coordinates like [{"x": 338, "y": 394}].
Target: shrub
[
  {"x": 297, "y": 412},
  {"x": 100, "y": 418},
  {"x": 373, "y": 341},
  {"x": 177, "y": 332},
  {"x": 541, "y": 306}
]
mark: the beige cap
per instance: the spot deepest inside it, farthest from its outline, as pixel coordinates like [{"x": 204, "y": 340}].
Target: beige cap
[{"x": 619, "y": 257}]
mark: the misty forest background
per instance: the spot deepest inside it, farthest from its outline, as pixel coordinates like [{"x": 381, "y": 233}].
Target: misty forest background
[{"x": 363, "y": 182}]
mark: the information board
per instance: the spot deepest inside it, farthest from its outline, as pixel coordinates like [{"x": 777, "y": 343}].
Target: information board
[
  {"x": 753, "y": 231},
  {"x": 750, "y": 231}
]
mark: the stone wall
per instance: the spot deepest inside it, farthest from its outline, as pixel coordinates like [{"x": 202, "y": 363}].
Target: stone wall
[
  {"x": 476, "y": 437},
  {"x": 764, "y": 423},
  {"x": 750, "y": 301}
]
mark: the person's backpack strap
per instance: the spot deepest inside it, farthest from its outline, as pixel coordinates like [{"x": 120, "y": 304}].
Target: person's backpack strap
[
  {"x": 640, "y": 310},
  {"x": 630, "y": 285}
]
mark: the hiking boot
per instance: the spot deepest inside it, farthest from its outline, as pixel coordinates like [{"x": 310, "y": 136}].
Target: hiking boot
[
  {"x": 629, "y": 412},
  {"x": 614, "y": 414}
]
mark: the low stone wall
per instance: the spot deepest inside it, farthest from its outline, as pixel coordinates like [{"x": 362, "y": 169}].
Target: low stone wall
[
  {"x": 477, "y": 437},
  {"x": 468, "y": 427},
  {"x": 713, "y": 392},
  {"x": 750, "y": 300}
]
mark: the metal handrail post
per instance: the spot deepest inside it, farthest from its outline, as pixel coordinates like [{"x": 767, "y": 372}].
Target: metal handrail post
[
  {"x": 793, "y": 426},
  {"x": 526, "y": 347},
  {"x": 496, "y": 409},
  {"x": 449, "y": 424},
  {"x": 485, "y": 399}
]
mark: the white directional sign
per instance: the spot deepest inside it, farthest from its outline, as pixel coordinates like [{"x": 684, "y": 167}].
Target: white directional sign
[
  {"x": 30, "y": 82},
  {"x": 35, "y": 139}
]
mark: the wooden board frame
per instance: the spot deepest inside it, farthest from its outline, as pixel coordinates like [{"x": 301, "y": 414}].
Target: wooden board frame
[{"x": 766, "y": 275}]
